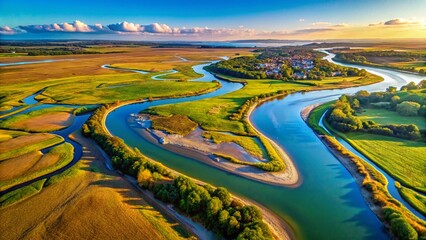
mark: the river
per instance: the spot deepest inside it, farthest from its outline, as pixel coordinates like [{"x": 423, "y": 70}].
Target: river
[{"x": 327, "y": 205}]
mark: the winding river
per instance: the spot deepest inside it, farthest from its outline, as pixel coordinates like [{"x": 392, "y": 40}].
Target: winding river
[{"x": 327, "y": 205}]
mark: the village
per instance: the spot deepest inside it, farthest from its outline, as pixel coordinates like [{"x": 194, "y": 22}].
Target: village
[{"x": 291, "y": 67}]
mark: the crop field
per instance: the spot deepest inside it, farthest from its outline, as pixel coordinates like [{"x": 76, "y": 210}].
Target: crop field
[
  {"x": 27, "y": 143},
  {"x": 415, "y": 199},
  {"x": 383, "y": 116},
  {"x": 99, "y": 85},
  {"x": 403, "y": 159},
  {"x": 36, "y": 165},
  {"x": 42, "y": 120}
]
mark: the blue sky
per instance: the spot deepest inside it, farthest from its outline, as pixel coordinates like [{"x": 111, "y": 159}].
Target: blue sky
[{"x": 260, "y": 16}]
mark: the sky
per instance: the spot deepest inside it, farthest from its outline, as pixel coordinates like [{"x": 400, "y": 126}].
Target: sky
[{"x": 212, "y": 20}]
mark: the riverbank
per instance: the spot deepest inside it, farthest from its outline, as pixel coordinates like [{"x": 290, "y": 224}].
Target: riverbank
[
  {"x": 281, "y": 178},
  {"x": 292, "y": 177},
  {"x": 280, "y": 229},
  {"x": 147, "y": 196},
  {"x": 373, "y": 187}
]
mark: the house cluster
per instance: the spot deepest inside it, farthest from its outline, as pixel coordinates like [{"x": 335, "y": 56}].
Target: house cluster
[{"x": 300, "y": 64}]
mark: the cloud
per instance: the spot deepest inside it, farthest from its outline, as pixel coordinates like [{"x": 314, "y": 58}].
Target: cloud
[
  {"x": 312, "y": 30},
  {"x": 341, "y": 25},
  {"x": 8, "y": 30},
  {"x": 398, "y": 22},
  {"x": 320, "y": 24},
  {"x": 76, "y": 26},
  {"x": 163, "y": 29},
  {"x": 301, "y": 19},
  {"x": 125, "y": 27}
]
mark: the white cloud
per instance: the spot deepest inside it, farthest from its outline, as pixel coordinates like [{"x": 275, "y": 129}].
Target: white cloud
[
  {"x": 76, "y": 26},
  {"x": 7, "y": 30},
  {"x": 399, "y": 22}
]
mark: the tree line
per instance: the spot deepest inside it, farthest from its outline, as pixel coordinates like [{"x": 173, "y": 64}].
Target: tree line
[
  {"x": 47, "y": 51},
  {"x": 241, "y": 67},
  {"x": 213, "y": 207},
  {"x": 343, "y": 114},
  {"x": 394, "y": 56}
]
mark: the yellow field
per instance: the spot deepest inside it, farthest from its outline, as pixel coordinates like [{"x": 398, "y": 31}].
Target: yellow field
[
  {"x": 17, "y": 166},
  {"x": 45, "y": 123},
  {"x": 92, "y": 201},
  {"x": 27, "y": 143}
]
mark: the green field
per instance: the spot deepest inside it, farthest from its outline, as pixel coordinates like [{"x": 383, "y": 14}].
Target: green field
[
  {"x": 248, "y": 143},
  {"x": 213, "y": 113},
  {"x": 415, "y": 199},
  {"x": 21, "y": 193},
  {"x": 122, "y": 87},
  {"x": 342, "y": 81},
  {"x": 176, "y": 124},
  {"x": 184, "y": 73},
  {"x": 383, "y": 116},
  {"x": 403, "y": 159}
]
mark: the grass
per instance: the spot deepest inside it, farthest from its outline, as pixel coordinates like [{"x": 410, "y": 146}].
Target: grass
[
  {"x": 370, "y": 179},
  {"x": 415, "y": 199},
  {"x": 343, "y": 81},
  {"x": 184, "y": 73},
  {"x": 8, "y": 134},
  {"x": 416, "y": 64},
  {"x": 248, "y": 143},
  {"x": 21, "y": 193},
  {"x": 402, "y": 159},
  {"x": 176, "y": 124},
  {"x": 28, "y": 143},
  {"x": 383, "y": 116},
  {"x": 42, "y": 120},
  {"x": 315, "y": 116},
  {"x": 57, "y": 158},
  {"x": 136, "y": 87},
  {"x": 74, "y": 79},
  {"x": 213, "y": 114}
]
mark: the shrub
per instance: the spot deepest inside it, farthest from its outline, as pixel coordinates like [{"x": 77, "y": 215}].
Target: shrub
[{"x": 408, "y": 108}]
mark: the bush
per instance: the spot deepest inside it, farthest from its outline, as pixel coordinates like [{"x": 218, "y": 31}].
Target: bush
[
  {"x": 408, "y": 108},
  {"x": 402, "y": 229}
]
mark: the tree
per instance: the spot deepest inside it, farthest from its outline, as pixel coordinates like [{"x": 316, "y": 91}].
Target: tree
[
  {"x": 391, "y": 89},
  {"x": 250, "y": 214},
  {"x": 145, "y": 178},
  {"x": 224, "y": 196},
  {"x": 363, "y": 97},
  {"x": 213, "y": 207},
  {"x": 408, "y": 108}
]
